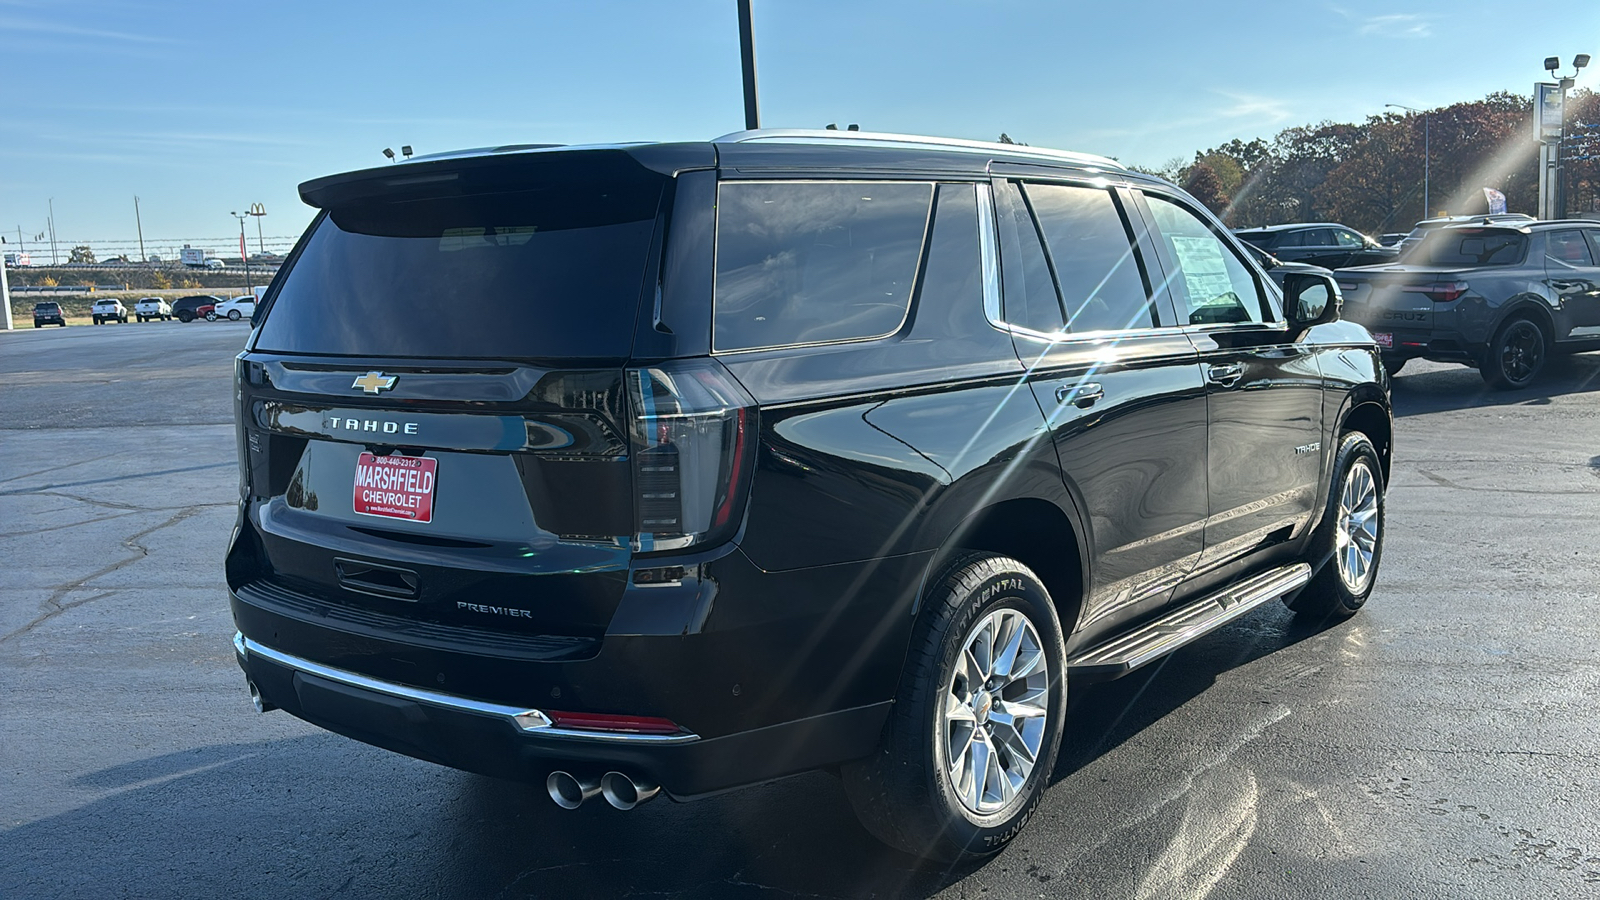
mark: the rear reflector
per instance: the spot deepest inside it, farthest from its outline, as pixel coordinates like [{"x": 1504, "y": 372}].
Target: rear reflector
[
  {"x": 608, "y": 722},
  {"x": 1438, "y": 292}
]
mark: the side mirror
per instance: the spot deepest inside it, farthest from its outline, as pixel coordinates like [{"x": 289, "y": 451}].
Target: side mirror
[{"x": 1310, "y": 299}]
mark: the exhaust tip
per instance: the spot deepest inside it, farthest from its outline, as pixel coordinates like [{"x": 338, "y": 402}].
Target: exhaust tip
[
  {"x": 256, "y": 701},
  {"x": 623, "y": 792},
  {"x": 568, "y": 791}
]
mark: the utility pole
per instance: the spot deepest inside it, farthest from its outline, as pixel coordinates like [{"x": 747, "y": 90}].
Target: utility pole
[
  {"x": 54, "y": 260},
  {"x": 747, "y": 61},
  {"x": 140, "y": 224}
]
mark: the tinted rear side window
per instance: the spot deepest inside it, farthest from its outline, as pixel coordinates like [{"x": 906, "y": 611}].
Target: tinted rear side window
[
  {"x": 542, "y": 270},
  {"x": 1470, "y": 248},
  {"x": 814, "y": 262},
  {"x": 1266, "y": 240}
]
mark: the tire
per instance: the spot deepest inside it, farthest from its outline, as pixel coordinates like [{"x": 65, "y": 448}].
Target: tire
[
  {"x": 1393, "y": 365},
  {"x": 905, "y": 793},
  {"x": 1517, "y": 356},
  {"x": 233, "y": 315},
  {"x": 211, "y": 317},
  {"x": 96, "y": 319},
  {"x": 185, "y": 318},
  {"x": 1349, "y": 544}
]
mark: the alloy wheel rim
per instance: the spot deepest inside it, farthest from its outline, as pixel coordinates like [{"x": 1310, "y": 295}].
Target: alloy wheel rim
[
  {"x": 1356, "y": 537},
  {"x": 996, "y": 709},
  {"x": 1524, "y": 348}
]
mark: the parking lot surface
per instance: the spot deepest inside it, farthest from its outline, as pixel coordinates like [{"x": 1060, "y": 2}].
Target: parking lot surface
[{"x": 1442, "y": 743}]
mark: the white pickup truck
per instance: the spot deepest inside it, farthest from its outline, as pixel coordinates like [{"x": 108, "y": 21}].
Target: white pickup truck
[{"x": 152, "y": 309}]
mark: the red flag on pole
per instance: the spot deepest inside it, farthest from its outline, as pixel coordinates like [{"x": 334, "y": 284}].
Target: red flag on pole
[{"x": 242, "y": 257}]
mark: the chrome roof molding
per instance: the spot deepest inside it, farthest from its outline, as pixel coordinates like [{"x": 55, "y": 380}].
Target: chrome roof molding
[{"x": 913, "y": 141}]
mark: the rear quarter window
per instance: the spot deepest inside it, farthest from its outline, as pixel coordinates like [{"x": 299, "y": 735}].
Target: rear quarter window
[
  {"x": 815, "y": 262},
  {"x": 1471, "y": 248}
]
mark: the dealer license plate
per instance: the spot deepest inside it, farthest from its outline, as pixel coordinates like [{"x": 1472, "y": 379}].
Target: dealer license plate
[
  {"x": 1384, "y": 339},
  {"x": 396, "y": 487}
]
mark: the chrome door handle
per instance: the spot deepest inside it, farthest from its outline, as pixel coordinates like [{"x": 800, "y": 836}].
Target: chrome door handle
[
  {"x": 1082, "y": 396},
  {"x": 1225, "y": 376}
]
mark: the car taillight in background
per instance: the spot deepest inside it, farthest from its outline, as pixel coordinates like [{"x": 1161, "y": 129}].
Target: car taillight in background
[
  {"x": 1438, "y": 292},
  {"x": 693, "y": 436}
]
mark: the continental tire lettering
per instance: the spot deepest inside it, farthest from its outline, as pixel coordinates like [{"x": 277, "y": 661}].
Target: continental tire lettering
[{"x": 994, "y": 590}]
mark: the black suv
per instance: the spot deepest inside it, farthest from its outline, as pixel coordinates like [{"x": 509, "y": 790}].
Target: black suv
[
  {"x": 1326, "y": 244},
  {"x": 48, "y": 312},
  {"x": 670, "y": 468},
  {"x": 187, "y": 309}
]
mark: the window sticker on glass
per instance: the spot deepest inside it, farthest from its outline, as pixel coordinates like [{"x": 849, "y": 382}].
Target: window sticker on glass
[{"x": 1205, "y": 273}]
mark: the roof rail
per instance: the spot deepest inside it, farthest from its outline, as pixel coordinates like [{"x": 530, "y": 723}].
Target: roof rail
[{"x": 825, "y": 136}]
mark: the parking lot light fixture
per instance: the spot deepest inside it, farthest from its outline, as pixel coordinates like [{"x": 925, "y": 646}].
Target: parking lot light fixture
[{"x": 1426, "y": 155}]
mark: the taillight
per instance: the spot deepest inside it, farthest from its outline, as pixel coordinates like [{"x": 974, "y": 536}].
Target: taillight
[
  {"x": 693, "y": 439},
  {"x": 1438, "y": 292}
]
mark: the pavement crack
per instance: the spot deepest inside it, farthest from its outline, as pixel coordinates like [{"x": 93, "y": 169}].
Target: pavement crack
[
  {"x": 53, "y": 605},
  {"x": 12, "y": 534},
  {"x": 1445, "y": 482}
]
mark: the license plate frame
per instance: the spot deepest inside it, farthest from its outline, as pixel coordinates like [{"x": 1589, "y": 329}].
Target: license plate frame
[{"x": 395, "y": 487}]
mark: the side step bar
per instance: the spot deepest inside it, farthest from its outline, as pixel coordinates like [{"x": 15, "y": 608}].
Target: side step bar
[{"x": 1126, "y": 652}]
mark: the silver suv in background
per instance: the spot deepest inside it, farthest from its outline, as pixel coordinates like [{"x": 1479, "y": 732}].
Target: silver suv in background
[{"x": 1500, "y": 296}]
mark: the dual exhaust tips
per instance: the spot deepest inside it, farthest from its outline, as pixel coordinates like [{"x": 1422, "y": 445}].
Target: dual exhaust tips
[{"x": 621, "y": 791}]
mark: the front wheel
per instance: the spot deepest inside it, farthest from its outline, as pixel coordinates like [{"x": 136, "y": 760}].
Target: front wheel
[
  {"x": 1349, "y": 544},
  {"x": 973, "y": 734},
  {"x": 211, "y": 317},
  {"x": 1517, "y": 356}
]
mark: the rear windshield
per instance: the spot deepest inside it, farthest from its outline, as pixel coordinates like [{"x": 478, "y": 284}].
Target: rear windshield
[
  {"x": 45, "y": 307},
  {"x": 1470, "y": 248},
  {"x": 548, "y": 268}
]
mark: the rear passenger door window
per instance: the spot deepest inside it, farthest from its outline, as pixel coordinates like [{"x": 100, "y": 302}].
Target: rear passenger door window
[
  {"x": 810, "y": 262},
  {"x": 1568, "y": 248},
  {"x": 1210, "y": 282},
  {"x": 1091, "y": 250}
]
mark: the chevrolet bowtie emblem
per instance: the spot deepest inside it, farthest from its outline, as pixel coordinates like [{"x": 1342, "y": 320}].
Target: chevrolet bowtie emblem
[{"x": 373, "y": 382}]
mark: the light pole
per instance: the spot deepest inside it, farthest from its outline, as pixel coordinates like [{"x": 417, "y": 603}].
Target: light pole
[
  {"x": 248, "y": 287},
  {"x": 747, "y": 65},
  {"x": 1564, "y": 84},
  {"x": 1426, "y": 155},
  {"x": 258, "y": 211}
]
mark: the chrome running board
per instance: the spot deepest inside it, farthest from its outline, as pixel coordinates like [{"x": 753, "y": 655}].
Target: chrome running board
[{"x": 1126, "y": 652}]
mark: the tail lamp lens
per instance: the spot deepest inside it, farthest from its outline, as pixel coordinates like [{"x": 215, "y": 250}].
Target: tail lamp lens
[
  {"x": 1439, "y": 292},
  {"x": 692, "y": 436}
]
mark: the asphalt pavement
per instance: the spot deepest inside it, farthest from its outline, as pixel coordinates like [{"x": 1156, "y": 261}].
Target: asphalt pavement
[{"x": 1442, "y": 743}]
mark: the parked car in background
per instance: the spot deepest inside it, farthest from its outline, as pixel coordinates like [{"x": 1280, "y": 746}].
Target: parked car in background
[
  {"x": 187, "y": 309},
  {"x": 1326, "y": 244},
  {"x": 236, "y": 308},
  {"x": 151, "y": 308},
  {"x": 1279, "y": 271},
  {"x": 1501, "y": 296},
  {"x": 48, "y": 312},
  {"x": 1392, "y": 239},
  {"x": 859, "y": 488},
  {"x": 109, "y": 310},
  {"x": 1426, "y": 225}
]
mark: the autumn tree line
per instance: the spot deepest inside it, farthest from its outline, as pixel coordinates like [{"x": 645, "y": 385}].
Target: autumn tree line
[{"x": 1368, "y": 175}]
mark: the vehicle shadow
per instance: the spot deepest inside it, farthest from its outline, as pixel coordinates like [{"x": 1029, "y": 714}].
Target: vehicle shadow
[
  {"x": 1423, "y": 387},
  {"x": 321, "y": 816}
]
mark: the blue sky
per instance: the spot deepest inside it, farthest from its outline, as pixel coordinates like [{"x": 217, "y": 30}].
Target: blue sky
[{"x": 203, "y": 108}]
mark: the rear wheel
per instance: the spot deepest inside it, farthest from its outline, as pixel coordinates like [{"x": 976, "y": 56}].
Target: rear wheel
[
  {"x": 1517, "y": 356},
  {"x": 974, "y": 731},
  {"x": 233, "y": 315},
  {"x": 1349, "y": 545},
  {"x": 185, "y": 318}
]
